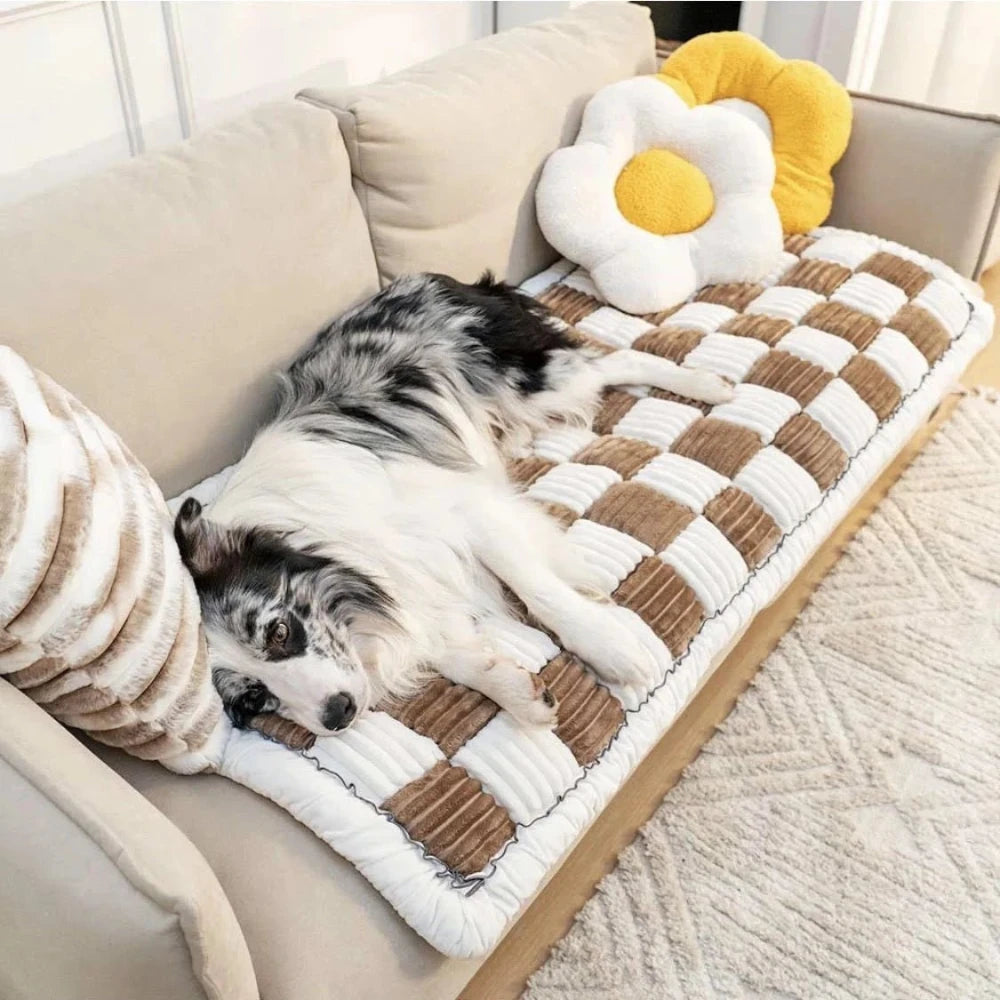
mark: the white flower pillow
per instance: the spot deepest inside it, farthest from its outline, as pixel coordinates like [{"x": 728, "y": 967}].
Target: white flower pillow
[{"x": 656, "y": 199}]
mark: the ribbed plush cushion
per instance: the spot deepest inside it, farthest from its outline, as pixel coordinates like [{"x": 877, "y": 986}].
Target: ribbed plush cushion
[
  {"x": 694, "y": 516},
  {"x": 99, "y": 620}
]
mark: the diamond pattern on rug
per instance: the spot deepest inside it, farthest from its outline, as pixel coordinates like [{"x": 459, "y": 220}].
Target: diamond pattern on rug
[{"x": 839, "y": 836}]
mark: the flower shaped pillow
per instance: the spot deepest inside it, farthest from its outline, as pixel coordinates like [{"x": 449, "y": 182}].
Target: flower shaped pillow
[
  {"x": 803, "y": 110},
  {"x": 657, "y": 198}
]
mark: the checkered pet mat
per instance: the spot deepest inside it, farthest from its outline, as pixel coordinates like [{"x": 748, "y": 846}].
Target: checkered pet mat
[{"x": 682, "y": 508}]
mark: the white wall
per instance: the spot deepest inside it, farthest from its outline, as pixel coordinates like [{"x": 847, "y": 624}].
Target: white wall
[
  {"x": 929, "y": 51},
  {"x": 807, "y": 29},
  {"x": 946, "y": 54},
  {"x": 87, "y": 84}
]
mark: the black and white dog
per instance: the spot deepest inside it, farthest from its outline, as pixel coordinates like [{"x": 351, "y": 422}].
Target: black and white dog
[{"x": 362, "y": 540}]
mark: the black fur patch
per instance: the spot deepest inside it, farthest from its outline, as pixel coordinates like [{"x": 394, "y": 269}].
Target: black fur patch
[{"x": 380, "y": 376}]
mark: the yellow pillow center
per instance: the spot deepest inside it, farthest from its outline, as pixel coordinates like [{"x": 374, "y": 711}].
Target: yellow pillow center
[{"x": 663, "y": 193}]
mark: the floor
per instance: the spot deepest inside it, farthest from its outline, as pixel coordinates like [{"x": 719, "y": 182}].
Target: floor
[{"x": 503, "y": 975}]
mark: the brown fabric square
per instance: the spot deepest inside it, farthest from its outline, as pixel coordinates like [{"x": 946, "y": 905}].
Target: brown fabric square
[
  {"x": 807, "y": 443},
  {"x": 904, "y": 274},
  {"x": 569, "y": 304},
  {"x": 855, "y": 327},
  {"x": 787, "y": 373},
  {"x": 281, "y": 730},
  {"x": 672, "y": 343},
  {"x": 588, "y": 713},
  {"x": 642, "y": 512},
  {"x": 821, "y": 276},
  {"x": 656, "y": 318},
  {"x": 580, "y": 339},
  {"x": 526, "y": 470},
  {"x": 623, "y": 454},
  {"x": 659, "y": 595},
  {"x": 614, "y": 406},
  {"x": 870, "y": 381},
  {"x": 718, "y": 444},
  {"x": 798, "y": 243},
  {"x": 925, "y": 332},
  {"x": 735, "y": 295},
  {"x": 448, "y": 812},
  {"x": 447, "y": 713},
  {"x": 751, "y": 530},
  {"x": 769, "y": 329},
  {"x": 560, "y": 512}
]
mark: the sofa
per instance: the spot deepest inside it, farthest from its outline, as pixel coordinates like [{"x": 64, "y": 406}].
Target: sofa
[{"x": 163, "y": 293}]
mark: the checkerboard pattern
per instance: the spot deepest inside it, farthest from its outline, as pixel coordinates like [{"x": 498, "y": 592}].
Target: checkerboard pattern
[{"x": 674, "y": 503}]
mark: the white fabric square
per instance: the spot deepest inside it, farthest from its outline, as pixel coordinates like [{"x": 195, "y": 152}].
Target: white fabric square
[
  {"x": 613, "y": 327},
  {"x": 726, "y": 354},
  {"x": 895, "y": 352},
  {"x": 521, "y": 643},
  {"x": 946, "y": 303},
  {"x": 573, "y": 484},
  {"x": 849, "y": 249},
  {"x": 524, "y": 769},
  {"x": 785, "y": 263},
  {"x": 871, "y": 295},
  {"x": 817, "y": 347},
  {"x": 784, "y": 302},
  {"x": 682, "y": 479},
  {"x": 547, "y": 278},
  {"x": 658, "y": 421},
  {"x": 709, "y": 563},
  {"x": 845, "y": 415},
  {"x": 780, "y": 485},
  {"x": 378, "y": 755},
  {"x": 761, "y": 409},
  {"x": 580, "y": 281},
  {"x": 610, "y": 553},
  {"x": 704, "y": 316},
  {"x": 560, "y": 444}
]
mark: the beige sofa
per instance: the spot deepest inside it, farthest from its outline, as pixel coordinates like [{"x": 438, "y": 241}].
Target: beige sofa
[{"x": 162, "y": 293}]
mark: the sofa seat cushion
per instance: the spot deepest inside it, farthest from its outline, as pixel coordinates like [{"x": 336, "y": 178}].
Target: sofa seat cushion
[{"x": 695, "y": 516}]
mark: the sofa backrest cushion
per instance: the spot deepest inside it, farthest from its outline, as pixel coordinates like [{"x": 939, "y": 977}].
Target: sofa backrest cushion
[
  {"x": 446, "y": 154},
  {"x": 164, "y": 293}
]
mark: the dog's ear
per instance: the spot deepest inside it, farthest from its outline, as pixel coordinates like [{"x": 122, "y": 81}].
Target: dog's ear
[{"x": 203, "y": 545}]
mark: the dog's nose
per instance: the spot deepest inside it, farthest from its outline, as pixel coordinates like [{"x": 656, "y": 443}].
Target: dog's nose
[{"x": 338, "y": 711}]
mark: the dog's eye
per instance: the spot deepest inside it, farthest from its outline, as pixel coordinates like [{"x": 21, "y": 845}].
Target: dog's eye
[{"x": 277, "y": 633}]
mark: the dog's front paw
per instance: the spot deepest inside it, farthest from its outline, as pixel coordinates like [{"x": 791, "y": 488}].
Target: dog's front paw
[
  {"x": 612, "y": 649},
  {"x": 710, "y": 388},
  {"x": 528, "y": 699}
]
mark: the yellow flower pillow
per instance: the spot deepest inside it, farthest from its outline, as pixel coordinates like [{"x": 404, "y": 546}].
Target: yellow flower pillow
[
  {"x": 656, "y": 199},
  {"x": 803, "y": 110}
]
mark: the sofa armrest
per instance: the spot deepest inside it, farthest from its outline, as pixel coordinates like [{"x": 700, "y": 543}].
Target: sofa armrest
[
  {"x": 925, "y": 177},
  {"x": 101, "y": 895}
]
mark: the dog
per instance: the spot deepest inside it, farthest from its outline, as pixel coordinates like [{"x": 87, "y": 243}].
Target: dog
[{"x": 363, "y": 540}]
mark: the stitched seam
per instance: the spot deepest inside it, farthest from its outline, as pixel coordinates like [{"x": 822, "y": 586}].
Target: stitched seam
[
  {"x": 365, "y": 201},
  {"x": 988, "y": 235},
  {"x": 932, "y": 109}
]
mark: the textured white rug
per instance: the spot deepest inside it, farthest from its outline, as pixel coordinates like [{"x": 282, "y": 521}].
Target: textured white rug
[{"x": 840, "y": 835}]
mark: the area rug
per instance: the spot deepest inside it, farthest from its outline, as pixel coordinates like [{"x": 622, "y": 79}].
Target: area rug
[{"x": 839, "y": 836}]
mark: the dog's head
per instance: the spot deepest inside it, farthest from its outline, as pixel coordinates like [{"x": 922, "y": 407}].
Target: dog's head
[{"x": 286, "y": 628}]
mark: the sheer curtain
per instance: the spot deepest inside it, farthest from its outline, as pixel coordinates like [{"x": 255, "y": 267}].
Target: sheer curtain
[{"x": 947, "y": 54}]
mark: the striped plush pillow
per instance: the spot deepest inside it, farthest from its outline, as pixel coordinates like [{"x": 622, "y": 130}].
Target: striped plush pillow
[{"x": 99, "y": 621}]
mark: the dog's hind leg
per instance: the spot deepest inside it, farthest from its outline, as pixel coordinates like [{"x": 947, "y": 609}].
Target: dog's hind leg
[
  {"x": 511, "y": 686},
  {"x": 639, "y": 368}
]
